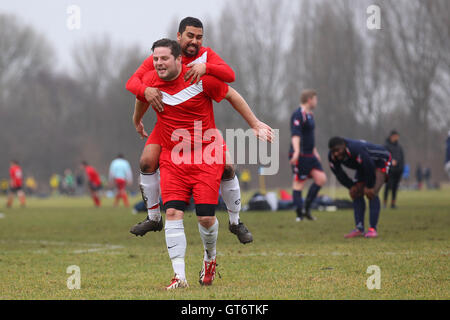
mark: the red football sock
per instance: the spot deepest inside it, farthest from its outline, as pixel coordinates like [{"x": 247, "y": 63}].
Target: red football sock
[
  {"x": 96, "y": 201},
  {"x": 125, "y": 199}
]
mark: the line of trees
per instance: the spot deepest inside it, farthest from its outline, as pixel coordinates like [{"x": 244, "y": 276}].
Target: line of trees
[{"x": 369, "y": 82}]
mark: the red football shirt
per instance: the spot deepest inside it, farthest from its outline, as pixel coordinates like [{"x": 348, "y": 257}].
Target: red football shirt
[
  {"x": 185, "y": 103},
  {"x": 93, "y": 175},
  {"x": 215, "y": 66},
  {"x": 15, "y": 173}
]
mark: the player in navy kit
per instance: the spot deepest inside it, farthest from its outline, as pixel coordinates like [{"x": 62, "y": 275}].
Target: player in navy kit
[
  {"x": 303, "y": 155},
  {"x": 372, "y": 163}
]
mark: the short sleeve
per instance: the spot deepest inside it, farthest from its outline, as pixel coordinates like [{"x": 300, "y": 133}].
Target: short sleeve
[
  {"x": 214, "y": 88},
  {"x": 296, "y": 124}
]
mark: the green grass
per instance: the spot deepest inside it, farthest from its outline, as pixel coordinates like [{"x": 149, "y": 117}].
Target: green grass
[{"x": 287, "y": 260}]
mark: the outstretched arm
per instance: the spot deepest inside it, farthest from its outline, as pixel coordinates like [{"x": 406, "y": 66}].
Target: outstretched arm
[{"x": 261, "y": 130}]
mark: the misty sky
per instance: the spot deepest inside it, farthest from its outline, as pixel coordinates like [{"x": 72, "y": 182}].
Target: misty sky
[{"x": 126, "y": 22}]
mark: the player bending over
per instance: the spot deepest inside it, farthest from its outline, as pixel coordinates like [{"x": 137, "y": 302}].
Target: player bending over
[{"x": 372, "y": 163}]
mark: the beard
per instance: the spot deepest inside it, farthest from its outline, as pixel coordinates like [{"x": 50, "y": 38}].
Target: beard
[{"x": 191, "y": 54}]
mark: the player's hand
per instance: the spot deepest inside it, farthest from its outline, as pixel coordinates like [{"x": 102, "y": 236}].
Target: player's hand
[
  {"x": 141, "y": 130},
  {"x": 356, "y": 191},
  {"x": 196, "y": 72},
  {"x": 263, "y": 131},
  {"x": 154, "y": 97},
  {"x": 369, "y": 193},
  {"x": 294, "y": 159},
  {"x": 318, "y": 156}
]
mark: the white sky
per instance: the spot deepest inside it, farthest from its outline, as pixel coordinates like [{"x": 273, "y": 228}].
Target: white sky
[{"x": 126, "y": 22}]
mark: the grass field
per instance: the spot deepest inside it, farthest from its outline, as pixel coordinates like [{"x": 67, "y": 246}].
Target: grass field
[{"x": 287, "y": 260}]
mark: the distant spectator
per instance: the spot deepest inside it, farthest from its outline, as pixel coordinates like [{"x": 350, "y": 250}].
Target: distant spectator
[
  {"x": 30, "y": 185},
  {"x": 4, "y": 186},
  {"x": 245, "y": 178},
  {"x": 447, "y": 155},
  {"x": 396, "y": 170},
  {"x": 79, "y": 180},
  {"x": 406, "y": 174},
  {"x": 120, "y": 174},
  {"x": 54, "y": 182},
  {"x": 68, "y": 182},
  {"x": 419, "y": 176},
  {"x": 427, "y": 177}
]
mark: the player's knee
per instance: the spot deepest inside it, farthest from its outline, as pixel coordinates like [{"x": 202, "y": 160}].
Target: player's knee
[
  {"x": 171, "y": 213},
  {"x": 147, "y": 164},
  {"x": 206, "y": 222},
  {"x": 298, "y": 185},
  {"x": 322, "y": 180},
  {"x": 205, "y": 214},
  {"x": 228, "y": 172}
]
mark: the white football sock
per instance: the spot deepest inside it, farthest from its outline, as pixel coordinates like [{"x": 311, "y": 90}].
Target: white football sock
[
  {"x": 150, "y": 190},
  {"x": 176, "y": 245},
  {"x": 231, "y": 195},
  {"x": 209, "y": 238}
]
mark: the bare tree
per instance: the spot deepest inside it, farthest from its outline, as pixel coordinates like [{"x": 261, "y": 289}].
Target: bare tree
[
  {"x": 419, "y": 61},
  {"x": 326, "y": 51},
  {"x": 23, "y": 53},
  {"x": 254, "y": 46}
]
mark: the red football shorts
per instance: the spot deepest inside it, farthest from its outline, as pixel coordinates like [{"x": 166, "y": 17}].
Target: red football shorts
[
  {"x": 120, "y": 184},
  {"x": 154, "y": 138},
  {"x": 181, "y": 181}
]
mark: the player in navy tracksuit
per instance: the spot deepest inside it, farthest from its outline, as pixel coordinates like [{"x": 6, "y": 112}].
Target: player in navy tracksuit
[
  {"x": 372, "y": 163},
  {"x": 303, "y": 155}
]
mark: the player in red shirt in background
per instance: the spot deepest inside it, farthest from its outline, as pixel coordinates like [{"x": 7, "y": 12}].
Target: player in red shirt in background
[
  {"x": 189, "y": 112},
  {"x": 15, "y": 184},
  {"x": 202, "y": 61},
  {"x": 94, "y": 182}
]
